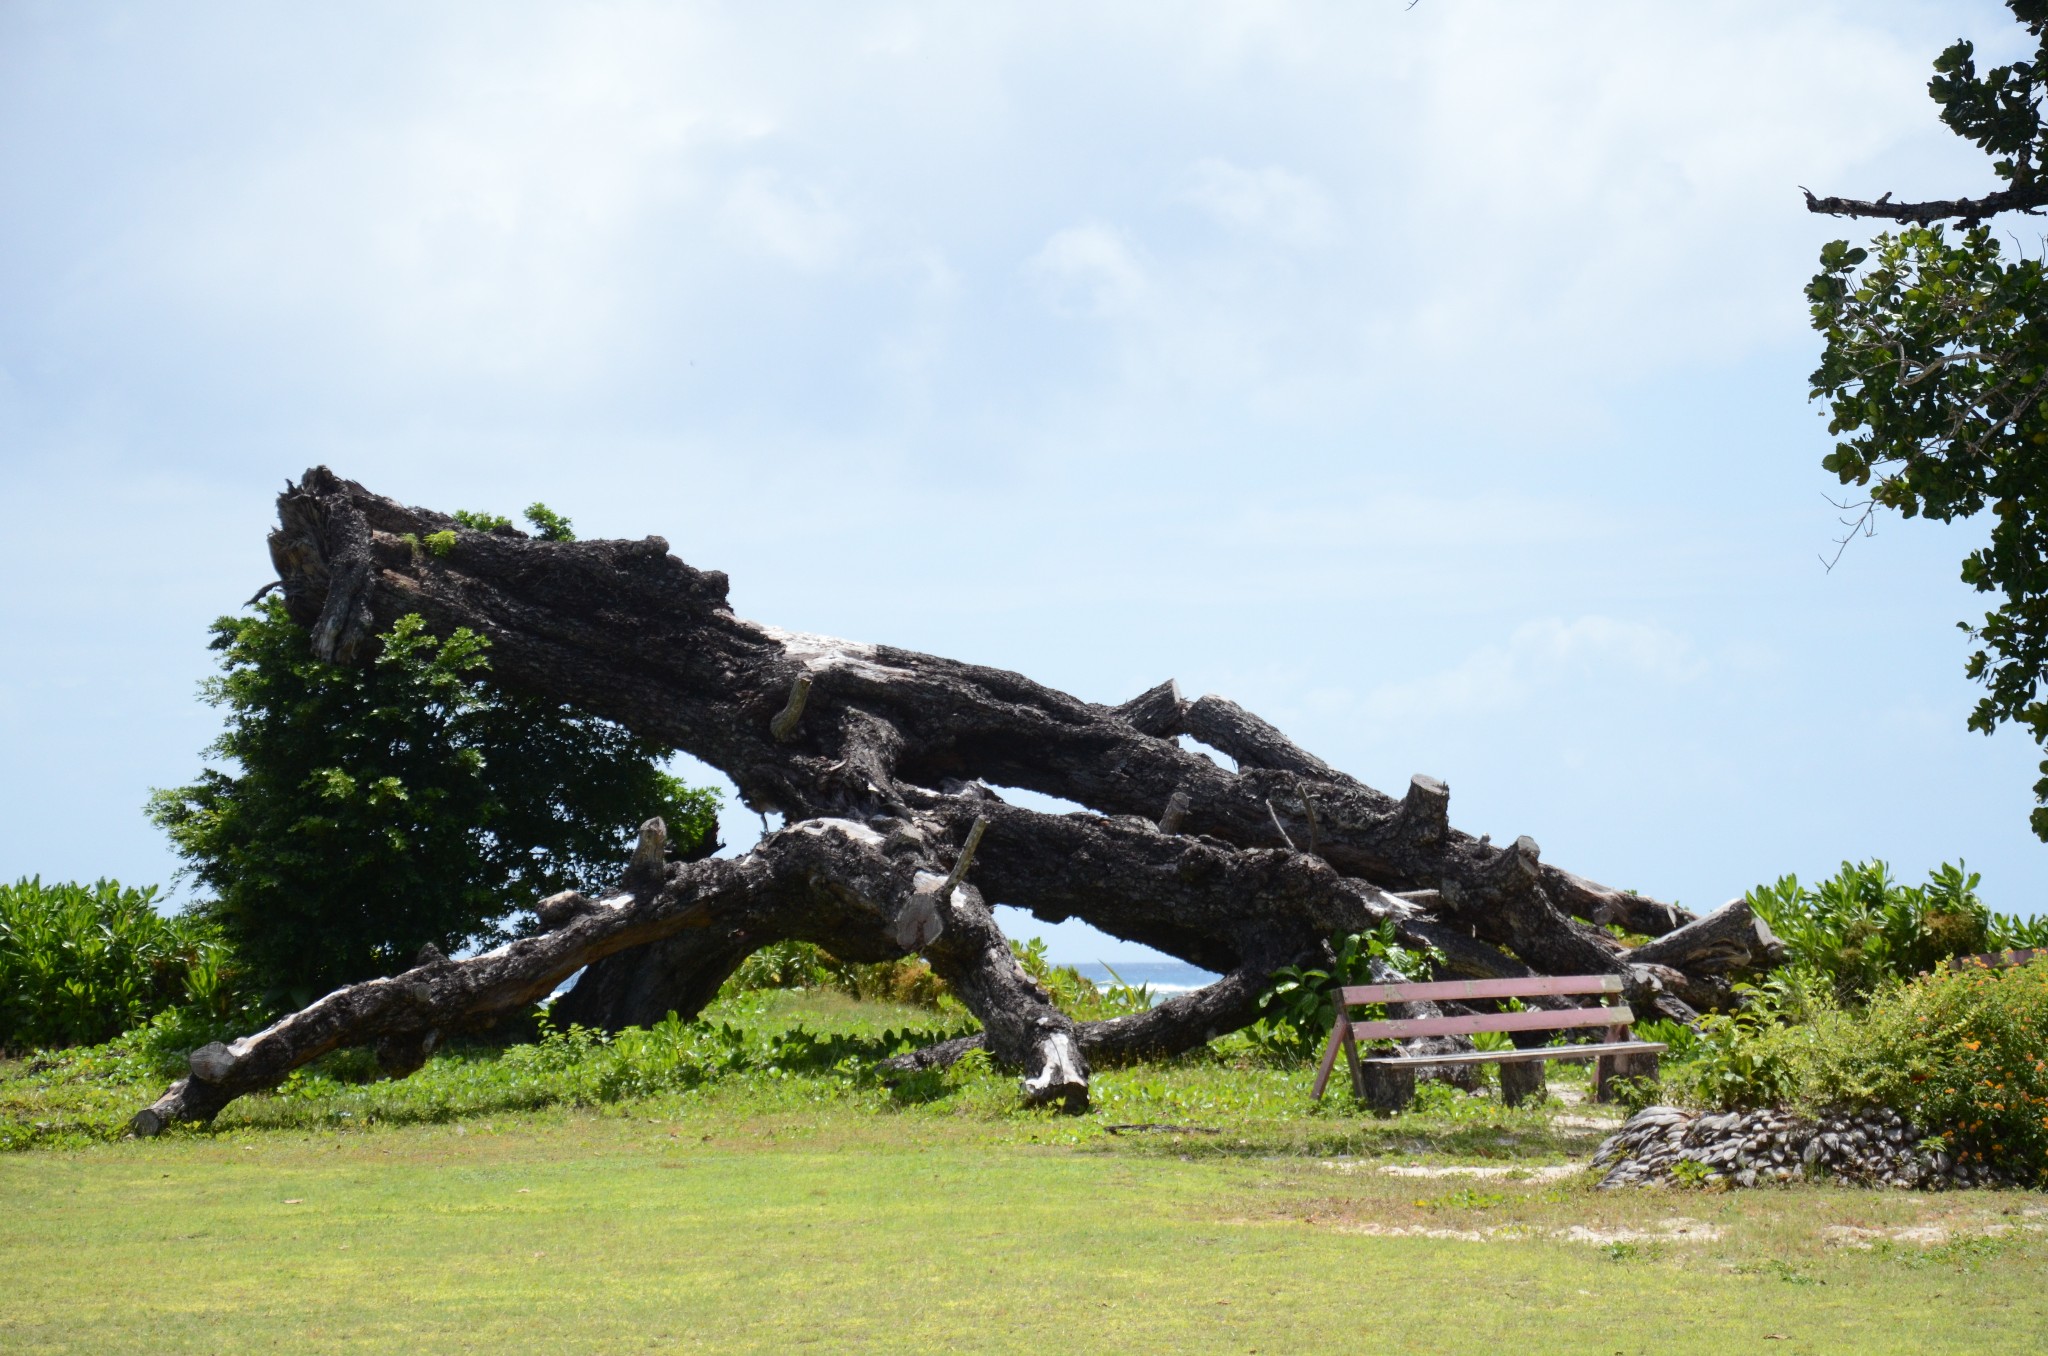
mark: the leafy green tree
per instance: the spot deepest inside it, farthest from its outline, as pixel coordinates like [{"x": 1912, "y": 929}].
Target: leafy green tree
[
  {"x": 360, "y": 813},
  {"x": 1935, "y": 366}
]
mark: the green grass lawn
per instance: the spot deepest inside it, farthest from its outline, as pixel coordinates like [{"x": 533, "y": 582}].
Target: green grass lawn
[{"x": 764, "y": 1210}]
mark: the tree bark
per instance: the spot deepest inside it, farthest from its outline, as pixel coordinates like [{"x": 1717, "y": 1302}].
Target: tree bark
[{"x": 883, "y": 762}]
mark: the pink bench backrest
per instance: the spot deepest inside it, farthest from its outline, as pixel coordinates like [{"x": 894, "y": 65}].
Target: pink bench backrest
[{"x": 1458, "y": 990}]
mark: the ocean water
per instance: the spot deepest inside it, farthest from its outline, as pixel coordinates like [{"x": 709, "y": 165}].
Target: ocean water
[{"x": 1166, "y": 979}]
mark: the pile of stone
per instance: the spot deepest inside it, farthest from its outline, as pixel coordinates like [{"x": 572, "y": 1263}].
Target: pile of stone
[{"x": 1872, "y": 1147}]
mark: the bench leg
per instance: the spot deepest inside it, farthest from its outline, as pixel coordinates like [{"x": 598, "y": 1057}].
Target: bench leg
[
  {"x": 1388, "y": 1088},
  {"x": 1521, "y": 1080},
  {"x": 1609, "y": 1067}
]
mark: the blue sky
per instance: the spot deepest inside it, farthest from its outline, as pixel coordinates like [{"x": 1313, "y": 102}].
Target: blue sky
[{"x": 1430, "y": 381}]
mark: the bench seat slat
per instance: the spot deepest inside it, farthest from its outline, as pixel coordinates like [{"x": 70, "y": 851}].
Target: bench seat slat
[
  {"x": 1538, "y": 1020},
  {"x": 1458, "y": 989},
  {"x": 1520, "y": 1056}
]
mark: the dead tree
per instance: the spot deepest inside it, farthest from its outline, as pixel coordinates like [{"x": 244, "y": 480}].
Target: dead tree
[{"x": 881, "y": 762}]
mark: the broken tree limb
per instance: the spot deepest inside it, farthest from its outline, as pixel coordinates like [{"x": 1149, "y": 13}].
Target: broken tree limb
[
  {"x": 881, "y": 761},
  {"x": 829, "y": 881},
  {"x": 793, "y": 710},
  {"x": 1730, "y": 938}
]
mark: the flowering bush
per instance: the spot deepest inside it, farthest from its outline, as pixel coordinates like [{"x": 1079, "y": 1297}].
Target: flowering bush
[{"x": 1962, "y": 1053}]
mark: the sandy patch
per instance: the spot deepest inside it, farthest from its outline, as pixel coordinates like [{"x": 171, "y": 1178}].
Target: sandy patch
[
  {"x": 1677, "y": 1229},
  {"x": 1543, "y": 1174},
  {"x": 1674, "y": 1230},
  {"x": 1419, "y": 1231},
  {"x": 1918, "y": 1235}
]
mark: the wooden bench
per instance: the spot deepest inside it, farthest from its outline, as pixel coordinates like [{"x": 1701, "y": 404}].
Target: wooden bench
[{"x": 1387, "y": 1082}]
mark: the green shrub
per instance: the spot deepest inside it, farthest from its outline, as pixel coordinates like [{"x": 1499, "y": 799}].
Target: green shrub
[
  {"x": 1073, "y": 992},
  {"x": 801, "y": 965},
  {"x": 1684, "y": 1041},
  {"x": 1299, "y": 1007},
  {"x": 1961, "y": 1052},
  {"x": 1862, "y": 928},
  {"x": 80, "y": 964}
]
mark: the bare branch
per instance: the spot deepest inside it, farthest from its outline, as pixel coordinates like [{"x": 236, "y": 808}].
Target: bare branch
[{"x": 1969, "y": 211}]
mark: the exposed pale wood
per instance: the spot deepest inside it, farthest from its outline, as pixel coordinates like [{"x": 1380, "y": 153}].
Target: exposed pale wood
[
  {"x": 785, "y": 720},
  {"x": 1730, "y": 938}
]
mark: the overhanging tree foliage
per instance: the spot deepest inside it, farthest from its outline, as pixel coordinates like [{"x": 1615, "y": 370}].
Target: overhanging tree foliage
[
  {"x": 1936, "y": 364},
  {"x": 363, "y": 812},
  {"x": 885, "y": 763}
]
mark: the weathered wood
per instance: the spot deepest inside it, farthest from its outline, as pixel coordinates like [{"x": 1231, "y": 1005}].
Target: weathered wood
[
  {"x": 1413, "y": 1008},
  {"x": 1339, "y": 1030},
  {"x": 1538, "y": 1054},
  {"x": 1732, "y": 937},
  {"x": 1521, "y": 1080},
  {"x": 830, "y": 881},
  {"x": 1622, "y": 1060},
  {"x": 884, "y": 756},
  {"x": 1156, "y": 711},
  {"x": 1516, "y": 1085},
  {"x": 1387, "y": 1087},
  {"x": 1493, "y": 1021},
  {"x": 1462, "y": 990}
]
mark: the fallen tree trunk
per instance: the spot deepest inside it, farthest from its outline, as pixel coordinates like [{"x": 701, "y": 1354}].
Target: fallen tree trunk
[{"x": 886, "y": 765}]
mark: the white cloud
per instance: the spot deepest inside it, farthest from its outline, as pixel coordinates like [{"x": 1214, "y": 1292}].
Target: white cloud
[
  {"x": 1089, "y": 271},
  {"x": 1272, "y": 201},
  {"x": 1401, "y": 327},
  {"x": 1587, "y": 651},
  {"x": 796, "y": 224}
]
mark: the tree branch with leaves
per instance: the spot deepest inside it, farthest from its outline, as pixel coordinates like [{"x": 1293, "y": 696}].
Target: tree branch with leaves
[{"x": 1936, "y": 350}]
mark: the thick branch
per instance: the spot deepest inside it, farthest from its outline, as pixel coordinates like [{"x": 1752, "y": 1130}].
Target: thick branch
[
  {"x": 1180, "y": 853},
  {"x": 1969, "y": 211},
  {"x": 1730, "y": 938},
  {"x": 835, "y": 882}
]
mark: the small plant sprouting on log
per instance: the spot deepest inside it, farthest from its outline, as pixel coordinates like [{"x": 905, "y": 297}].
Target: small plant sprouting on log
[{"x": 550, "y": 525}]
